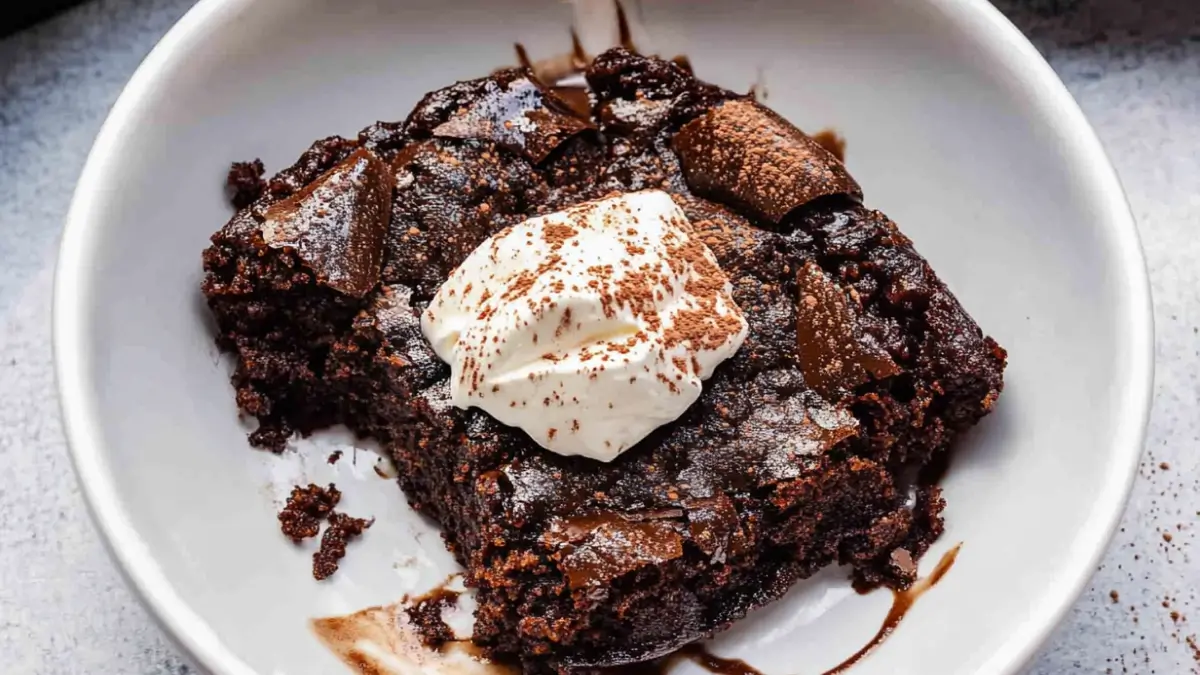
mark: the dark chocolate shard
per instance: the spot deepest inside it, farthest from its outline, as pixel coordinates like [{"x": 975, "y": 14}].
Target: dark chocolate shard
[
  {"x": 518, "y": 113},
  {"x": 578, "y": 98},
  {"x": 594, "y": 550},
  {"x": 835, "y": 354},
  {"x": 743, "y": 154},
  {"x": 337, "y": 223}
]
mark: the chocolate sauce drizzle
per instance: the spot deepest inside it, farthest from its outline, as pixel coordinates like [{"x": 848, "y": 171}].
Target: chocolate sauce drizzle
[
  {"x": 552, "y": 69},
  {"x": 902, "y": 602},
  {"x": 625, "y": 36}
]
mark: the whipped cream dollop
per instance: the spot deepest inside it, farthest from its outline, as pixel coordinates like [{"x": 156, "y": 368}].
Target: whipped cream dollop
[{"x": 587, "y": 328}]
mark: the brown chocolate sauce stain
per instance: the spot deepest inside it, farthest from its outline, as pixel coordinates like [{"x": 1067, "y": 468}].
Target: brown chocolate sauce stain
[
  {"x": 700, "y": 656},
  {"x": 522, "y": 56},
  {"x": 696, "y": 653},
  {"x": 383, "y": 640},
  {"x": 577, "y": 51},
  {"x": 902, "y": 602},
  {"x": 832, "y": 141},
  {"x": 758, "y": 88}
]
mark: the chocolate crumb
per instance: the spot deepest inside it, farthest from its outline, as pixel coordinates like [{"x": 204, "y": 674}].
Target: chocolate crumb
[
  {"x": 342, "y": 528},
  {"x": 245, "y": 183},
  {"x": 334, "y": 457},
  {"x": 301, "y": 516}
]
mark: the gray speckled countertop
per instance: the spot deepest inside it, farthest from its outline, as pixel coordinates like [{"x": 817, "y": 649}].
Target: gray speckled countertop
[{"x": 1134, "y": 66}]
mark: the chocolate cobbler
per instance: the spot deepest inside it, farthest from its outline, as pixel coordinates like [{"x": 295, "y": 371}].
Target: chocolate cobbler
[{"x": 837, "y": 362}]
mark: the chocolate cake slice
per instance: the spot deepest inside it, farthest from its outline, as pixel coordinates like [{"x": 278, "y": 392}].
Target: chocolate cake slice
[{"x": 859, "y": 365}]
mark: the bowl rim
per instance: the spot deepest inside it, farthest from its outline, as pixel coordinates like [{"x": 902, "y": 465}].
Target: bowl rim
[{"x": 976, "y": 18}]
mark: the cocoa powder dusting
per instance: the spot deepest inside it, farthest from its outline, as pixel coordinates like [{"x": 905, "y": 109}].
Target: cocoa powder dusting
[
  {"x": 743, "y": 153},
  {"x": 556, "y": 234}
]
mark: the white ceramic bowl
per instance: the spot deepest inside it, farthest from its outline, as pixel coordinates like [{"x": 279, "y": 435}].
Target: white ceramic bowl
[{"x": 956, "y": 128}]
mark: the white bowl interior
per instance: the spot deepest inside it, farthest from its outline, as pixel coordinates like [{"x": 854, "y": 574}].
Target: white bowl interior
[{"x": 955, "y": 129}]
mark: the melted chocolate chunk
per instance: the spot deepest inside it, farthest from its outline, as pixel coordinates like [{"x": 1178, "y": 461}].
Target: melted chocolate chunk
[
  {"x": 336, "y": 224},
  {"x": 320, "y": 157},
  {"x": 594, "y": 550},
  {"x": 578, "y": 99},
  {"x": 509, "y": 109},
  {"x": 714, "y": 527},
  {"x": 743, "y": 153},
  {"x": 835, "y": 355}
]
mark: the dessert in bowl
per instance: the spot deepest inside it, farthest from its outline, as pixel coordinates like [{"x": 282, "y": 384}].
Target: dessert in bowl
[
  {"x": 647, "y": 364},
  {"x": 787, "y": 361}
]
